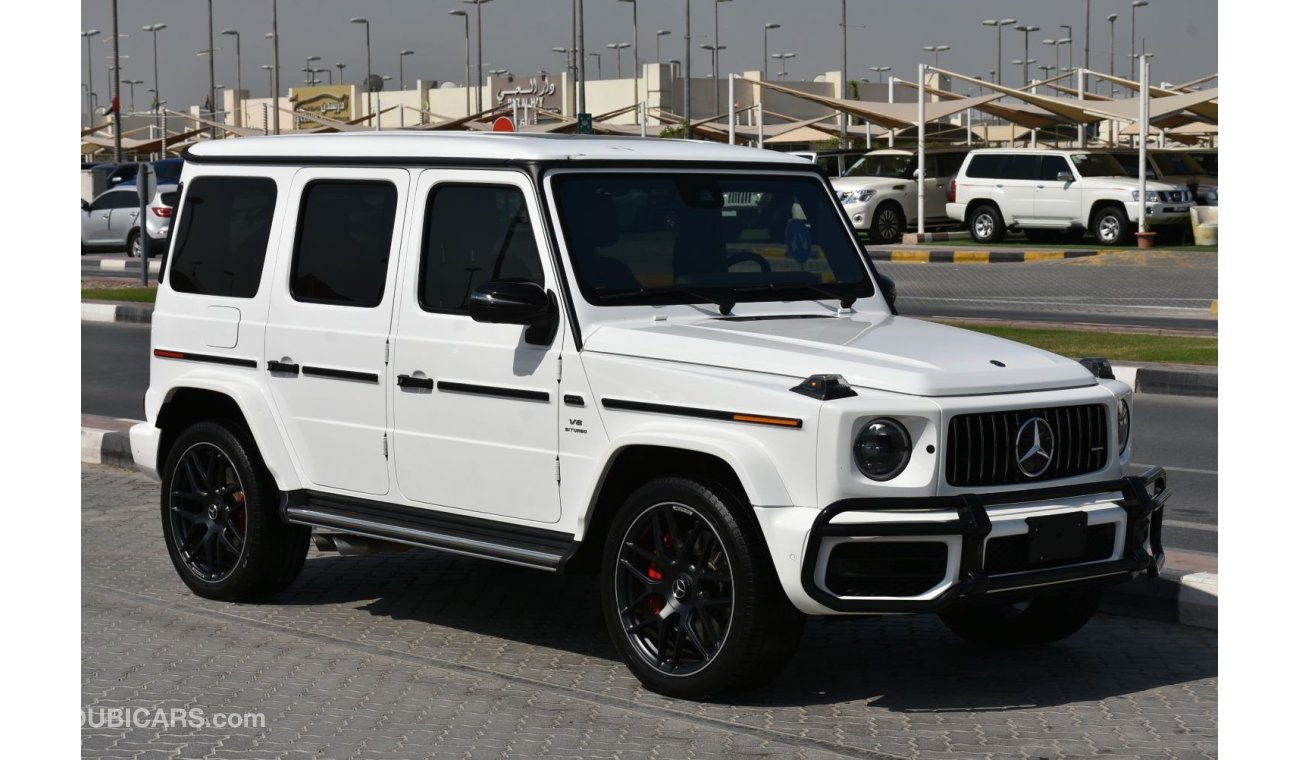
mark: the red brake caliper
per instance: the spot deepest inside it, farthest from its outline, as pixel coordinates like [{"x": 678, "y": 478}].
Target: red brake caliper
[{"x": 238, "y": 496}]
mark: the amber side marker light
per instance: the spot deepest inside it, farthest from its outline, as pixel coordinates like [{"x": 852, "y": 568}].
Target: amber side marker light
[{"x": 759, "y": 420}]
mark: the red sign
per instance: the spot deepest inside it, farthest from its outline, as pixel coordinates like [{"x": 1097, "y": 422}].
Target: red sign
[{"x": 503, "y": 124}]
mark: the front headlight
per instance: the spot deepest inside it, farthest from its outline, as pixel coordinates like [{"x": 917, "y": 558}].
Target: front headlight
[
  {"x": 1152, "y": 196},
  {"x": 882, "y": 449},
  {"x": 855, "y": 196},
  {"x": 1123, "y": 424}
]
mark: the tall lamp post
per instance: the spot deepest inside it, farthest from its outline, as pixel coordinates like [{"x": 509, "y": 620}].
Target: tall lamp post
[
  {"x": 1132, "y": 41},
  {"x": 998, "y": 24},
  {"x": 783, "y": 57},
  {"x": 275, "y": 62},
  {"x": 478, "y": 23},
  {"x": 767, "y": 28},
  {"x": 717, "y": 57},
  {"x": 154, "y": 29},
  {"x": 369, "y": 100},
  {"x": 270, "y": 85},
  {"x": 880, "y": 72},
  {"x": 131, "y": 83},
  {"x": 936, "y": 49},
  {"x": 90, "y": 77},
  {"x": 1056, "y": 44},
  {"x": 686, "y": 100},
  {"x": 401, "y": 85},
  {"x": 1026, "y": 28},
  {"x": 597, "y": 57},
  {"x": 340, "y": 67},
  {"x": 636, "y": 61},
  {"x": 1069, "y": 44},
  {"x": 618, "y": 48},
  {"x": 239, "y": 79},
  {"x": 1111, "y": 18},
  {"x": 465, "y": 16},
  {"x": 658, "y": 34}
]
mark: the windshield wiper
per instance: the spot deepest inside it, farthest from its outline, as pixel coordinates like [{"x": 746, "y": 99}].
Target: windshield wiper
[
  {"x": 845, "y": 301},
  {"x": 725, "y": 305}
]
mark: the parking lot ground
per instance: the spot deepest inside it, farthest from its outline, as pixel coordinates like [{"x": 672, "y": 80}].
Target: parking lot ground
[{"x": 420, "y": 653}]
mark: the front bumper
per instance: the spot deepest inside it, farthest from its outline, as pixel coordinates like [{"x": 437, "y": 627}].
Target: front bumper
[
  {"x": 862, "y": 213},
  {"x": 963, "y": 524},
  {"x": 1161, "y": 214}
]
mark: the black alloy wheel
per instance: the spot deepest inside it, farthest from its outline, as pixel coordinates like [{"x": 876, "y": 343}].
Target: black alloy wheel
[
  {"x": 887, "y": 225},
  {"x": 674, "y": 589},
  {"x": 209, "y": 522}
]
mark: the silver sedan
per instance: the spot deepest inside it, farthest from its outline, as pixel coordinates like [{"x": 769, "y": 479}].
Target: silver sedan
[{"x": 110, "y": 221}]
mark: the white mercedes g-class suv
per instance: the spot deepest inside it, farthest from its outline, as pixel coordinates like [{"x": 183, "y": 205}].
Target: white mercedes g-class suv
[
  {"x": 1042, "y": 192},
  {"x": 578, "y": 354}
]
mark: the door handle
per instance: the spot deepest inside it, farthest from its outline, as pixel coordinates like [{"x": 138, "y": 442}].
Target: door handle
[
  {"x": 406, "y": 381},
  {"x": 287, "y": 368},
  {"x": 998, "y": 186},
  {"x": 1040, "y": 187},
  {"x": 103, "y": 216}
]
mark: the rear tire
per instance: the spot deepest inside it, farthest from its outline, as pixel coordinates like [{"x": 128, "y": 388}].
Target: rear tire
[
  {"x": 1040, "y": 620},
  {"x": 986, "y": 224},
  {"x": 221, "y": 517},
  {"x": 887, "y": 223},
  {"x": 689, "y": 594},
  {"x": 133, "y": 246},
  {"x": 1110, "y": 226}
]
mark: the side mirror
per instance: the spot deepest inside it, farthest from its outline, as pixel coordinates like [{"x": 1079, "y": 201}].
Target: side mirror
[
  {"x": 1064, "y": 177},
  {"x": 888, "y": 289},
  {"x": 85, "y": 205},
  {"x": 515, "y": 303}
]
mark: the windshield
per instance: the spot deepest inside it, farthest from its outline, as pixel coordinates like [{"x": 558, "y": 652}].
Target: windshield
[
  {"x": 898, "y": 167},
  {"x": 1209, "y": 162},
  {"x": 691, "y": 237},
  {"x": 1176, "y": 163},
  {"x": 1099, "y": 165}
]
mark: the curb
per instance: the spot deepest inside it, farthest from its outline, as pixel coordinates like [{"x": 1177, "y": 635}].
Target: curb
[
  {"x": 121, "y": 265},
  {"x": 975, "y": 257},
  {"x": 105, "y": 311},
  {"x": 1177, "y": 596},
  {"x": 1171, "y": 381},
  {"x": 916, "y": 238}
]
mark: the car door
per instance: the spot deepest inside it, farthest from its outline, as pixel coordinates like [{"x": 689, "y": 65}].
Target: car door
[
  {"x": 938, "y": 171},
  {"x": 1057, "y": 202},
  {"x": 1018, "y": 181},
  {"x": 96, "y": 222},
  {"x": 476, "y": 407},
  {"x": 123, "y": 215},
  {"x": 329, "y": 322}
]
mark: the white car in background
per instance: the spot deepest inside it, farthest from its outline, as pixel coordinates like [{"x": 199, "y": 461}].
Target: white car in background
[{"x": 879, "y": 191}]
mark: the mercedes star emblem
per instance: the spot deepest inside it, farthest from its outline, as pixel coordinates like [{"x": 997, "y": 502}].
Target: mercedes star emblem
[{"x": 1035, "y": 447}]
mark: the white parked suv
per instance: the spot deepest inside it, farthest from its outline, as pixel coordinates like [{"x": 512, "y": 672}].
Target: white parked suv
[
  {"x": 1055, "y": 191},
  {"x": 879, "y": 190},
  {"x": 562, "y": 353}
]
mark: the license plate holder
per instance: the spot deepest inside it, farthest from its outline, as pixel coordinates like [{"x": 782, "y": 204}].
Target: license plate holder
[{"x": 1057, "y": 538}]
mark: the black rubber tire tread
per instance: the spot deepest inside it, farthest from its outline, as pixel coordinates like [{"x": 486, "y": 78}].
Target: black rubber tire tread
[
  {"x": 130, "y": 242},
  {"x": 999, "y": 226},
  {"x": 876, "y": 237},
  {"x": 1047, "y": 618},
  {"x": 275, "y": 551},
  {"x": 1126, "y": 234},
  {"x": 765, "y": 627}
]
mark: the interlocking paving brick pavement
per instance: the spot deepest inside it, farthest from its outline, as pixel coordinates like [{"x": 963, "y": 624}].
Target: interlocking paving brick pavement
[{"x": 425, "y": 654}]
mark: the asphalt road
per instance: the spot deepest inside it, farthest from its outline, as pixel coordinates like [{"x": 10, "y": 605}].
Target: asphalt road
[{"x": 1175, "y": 432}]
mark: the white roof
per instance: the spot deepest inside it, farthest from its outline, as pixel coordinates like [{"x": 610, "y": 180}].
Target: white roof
[{"x": 484, "y": 145}]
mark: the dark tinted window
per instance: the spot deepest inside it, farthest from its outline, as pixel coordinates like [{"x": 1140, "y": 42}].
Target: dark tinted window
[
  {"x": 168, "y": 171},
  {"x": 119, "y": 199},
  {"x": 221, "y": 236},
  {"x": 1020, "y": 166},
  {"x": 345, "y": 231},
  {"x": 950, "y": 163},
  {"x": 169, "y": 199},
  {"x": 1051, "y": 166},
  {"x": 986, "y": 166},
  {"x": 474, "y": 234}
]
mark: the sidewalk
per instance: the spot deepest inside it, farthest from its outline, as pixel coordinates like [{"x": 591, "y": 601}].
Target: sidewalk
[{"x": 1187, "y": 591}]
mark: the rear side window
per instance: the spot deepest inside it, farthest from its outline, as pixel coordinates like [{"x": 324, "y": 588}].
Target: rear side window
[
  {"x": 1020, "y": 167},
  {"x": 475, "y": 234},
  {"x": 985, "y": 166},
  {"x": 345, "y": 232},
  {"x": 221, "y": 242}
]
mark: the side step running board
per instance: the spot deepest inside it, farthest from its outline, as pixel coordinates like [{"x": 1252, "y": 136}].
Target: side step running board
[{"x": 474, "y": 537}]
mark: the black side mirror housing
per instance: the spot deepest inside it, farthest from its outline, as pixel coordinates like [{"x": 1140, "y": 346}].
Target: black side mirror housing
[
  {"x": 85, "y": 205},
  {"x": 888, "y": 289},
  {"x": 516, "y": 303}
]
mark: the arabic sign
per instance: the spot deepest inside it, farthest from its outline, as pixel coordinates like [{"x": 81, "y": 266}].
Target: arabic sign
[
  {"x": 537, "y": 93},
  {"x": 329, "y": 101}
]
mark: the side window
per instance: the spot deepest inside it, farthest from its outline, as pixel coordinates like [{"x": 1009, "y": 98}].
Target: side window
[
  {"x": 221, "y": 236},
  {"x": 950, "y": 163},
  {"x": 116, "y": 199},
  {"x": 1051, "y": 166},
  {"x": 475, "y": 234},
  {"x": 986, "y": 166},
  {"x": 1021, "y": 167},
  {"x": 345, "y": 231}
]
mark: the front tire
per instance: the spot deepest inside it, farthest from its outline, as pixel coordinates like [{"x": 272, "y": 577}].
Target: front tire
[
  {"x": 1110, "y": 226},
  {"x": 689, "y": 594},
  {"x": 986, "y": 225},
  {"x": 887, "y": 224},
  {"x": 133, "y": 245},
  {"x": 1040, "y": 620},
  {"x": 220, "y": 516}
]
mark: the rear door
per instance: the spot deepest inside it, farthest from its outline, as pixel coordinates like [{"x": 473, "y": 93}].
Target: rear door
[
  {"x": 1019, "y": 184},
  {"x": 328, "y": 326},
  {"x": 1057, "y": 202}
]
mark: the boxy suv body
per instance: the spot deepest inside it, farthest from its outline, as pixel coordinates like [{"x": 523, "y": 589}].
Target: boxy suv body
[
  {"x": 879, "y": 190},
  {"x": 577, "y": 354},
  {"x": 1041, "y": 191}
]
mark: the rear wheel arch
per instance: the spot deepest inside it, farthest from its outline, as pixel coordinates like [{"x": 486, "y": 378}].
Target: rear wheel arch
[{"x": 188, "y": 404}]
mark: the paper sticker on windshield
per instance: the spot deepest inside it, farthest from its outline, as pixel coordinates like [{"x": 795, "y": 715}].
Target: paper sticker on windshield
[{"x": 798, "y": 240}]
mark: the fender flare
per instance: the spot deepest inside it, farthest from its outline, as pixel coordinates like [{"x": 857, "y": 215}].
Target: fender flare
[{"x": 262, "y": 422}]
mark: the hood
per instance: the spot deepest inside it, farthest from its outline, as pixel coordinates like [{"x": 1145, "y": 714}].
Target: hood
[
  {"x": 878, "y": 184},
  {"x": 893, "y": 354},
  {"x": 1129, "y": 183}
]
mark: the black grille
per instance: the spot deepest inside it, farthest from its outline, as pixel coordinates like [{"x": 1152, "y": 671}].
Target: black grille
[
  {"x": 885, "y": 568},
  {"x": 982, "y": 447},
  {"x": 1010, "y": 554}
]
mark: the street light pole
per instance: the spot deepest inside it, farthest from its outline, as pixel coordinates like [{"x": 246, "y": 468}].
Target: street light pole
[
  {"x": 275, "y": 63},
  {"x": 465, "y": 16},
  {"x": 478, "y": 22},
  {"x": 1069, "y": 43},
  {"x": 844, "y": 78},
  {"x": 239, "y": 79},
  {"x": 340, "y": 67},
  {"x": 659, "y": 34},
  {"x": 401, "y": 85},
  {"x": 767, "y": 28},
  {"x": 270, "y": 85},
  {"x": 1087, "y": 34},
  {"x": 90, "y": 77},
  {"x": 717, "y": 58},
  {"x": 599, "y": 75},
  {"x": 998, "y": 24},
  {"x": 1132, "y": 42},
  {"x": 636, "y": 60},
  {"x": 1111, "y": 18},
  {"x": 117, "y": 91},
  {"x": 880, "y": 72},
  {"x": 687, "y": 101},
  {"x": 369, "y": 89},
  {"x": 783, "y": 57},
  {"x": 618, "y": 48},
  {"x": 936, "y": 49},
  {"x": 1026, "y": 28}
]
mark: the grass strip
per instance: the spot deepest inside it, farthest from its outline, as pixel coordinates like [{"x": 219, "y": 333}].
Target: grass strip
[
  {"x": 135, "y": 295},
  {"x": 1116, "y": 346}
]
